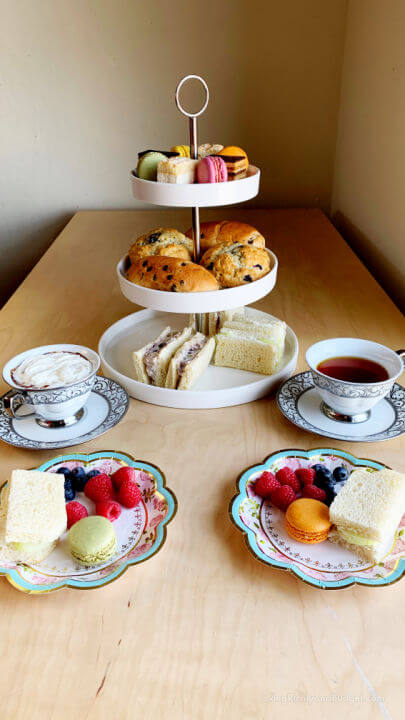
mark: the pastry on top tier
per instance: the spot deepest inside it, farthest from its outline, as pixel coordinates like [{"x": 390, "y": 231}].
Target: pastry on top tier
[
  {"x": 161, "y": 241},
  {"x": 234, "y": 264},
  {"x": 218, "y": 231}
]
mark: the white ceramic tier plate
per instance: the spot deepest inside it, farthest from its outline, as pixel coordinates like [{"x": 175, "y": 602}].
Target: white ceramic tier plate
[
  {"x": 106, "y": 406},
  {"x": 323, "y": 565},
  {"x": 197, "y": 195},
  {"x": 300, "y": 403},
  {"x": 217, "y": 387},
  {"x": 197, "y": 302}
]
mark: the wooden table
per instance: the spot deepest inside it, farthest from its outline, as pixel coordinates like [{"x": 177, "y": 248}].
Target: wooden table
[{"x": 202, "y": 630}]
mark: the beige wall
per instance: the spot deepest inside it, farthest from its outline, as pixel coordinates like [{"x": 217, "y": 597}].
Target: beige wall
[
  {"x": 369, "y": 184},
  {"x": 85, "y": 84}
]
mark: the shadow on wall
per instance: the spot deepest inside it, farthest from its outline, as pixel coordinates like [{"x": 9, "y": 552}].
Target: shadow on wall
[
  {"x": 384, "y": 271},
  {"x": 35, "y": 236}
]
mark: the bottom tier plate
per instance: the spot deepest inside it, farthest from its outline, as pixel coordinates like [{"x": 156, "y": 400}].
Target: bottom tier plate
[{"x": 218, "y": 387}]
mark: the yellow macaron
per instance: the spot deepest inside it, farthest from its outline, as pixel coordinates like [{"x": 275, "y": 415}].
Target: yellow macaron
[
  {"x": 307, "y": 521},
  {"x": 183, "y": 150}
]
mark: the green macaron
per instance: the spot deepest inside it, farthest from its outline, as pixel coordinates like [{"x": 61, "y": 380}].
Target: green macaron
[
  {"x": 92, "y": 540},
  {"x": 148, "y": 164}
]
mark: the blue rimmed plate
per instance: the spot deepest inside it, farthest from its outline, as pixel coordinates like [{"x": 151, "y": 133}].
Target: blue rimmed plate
[
  {"x": 325, "y": 565},
  {"x": 141, "y": 531}
]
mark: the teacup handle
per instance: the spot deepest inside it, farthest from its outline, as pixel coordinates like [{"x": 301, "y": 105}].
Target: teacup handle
[
  {"x": 401, "y": 354},
  {"x": 12, "y": 402}
]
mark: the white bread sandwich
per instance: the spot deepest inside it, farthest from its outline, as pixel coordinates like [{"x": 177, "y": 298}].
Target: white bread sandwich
[
  {"x": 151, "y": 362},
  {"x": 189, "y": 362},
  {"x": 250, "y": 344},
  {"x": 32, "y": 515},
  {"x": 367, "y": 511},
  {"x": 213, "y": 321}
]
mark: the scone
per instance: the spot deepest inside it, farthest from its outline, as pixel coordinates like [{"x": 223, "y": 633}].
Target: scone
[
  {"x": 218, "y": 231},
  {"x": 171, "y": 274},
  {"x": 161, "y": 241},
  {"x": 233, "y": 263}
]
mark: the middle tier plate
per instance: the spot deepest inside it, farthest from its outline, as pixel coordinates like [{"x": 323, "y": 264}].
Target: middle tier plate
[
  {"x": 217, "y": 387},
  {"x": 197, "y": 302}
]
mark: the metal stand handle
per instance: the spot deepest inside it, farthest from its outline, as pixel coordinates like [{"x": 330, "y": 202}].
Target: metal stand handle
[{"x": 195, "y": 211}]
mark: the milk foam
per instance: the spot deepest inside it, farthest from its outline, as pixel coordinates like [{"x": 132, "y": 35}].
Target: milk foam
[{"x": 51, "y": 370}]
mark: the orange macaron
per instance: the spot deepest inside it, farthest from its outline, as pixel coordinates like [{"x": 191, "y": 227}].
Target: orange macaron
[{"x": 307, "y": 521}]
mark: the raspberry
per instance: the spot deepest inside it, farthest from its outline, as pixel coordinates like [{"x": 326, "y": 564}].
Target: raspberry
[
  {"x": 283, "y": 496},
  {"x": 108, "y": 509},
  {"x": 286, "y": 476},
  {"x": 129, "y": 494},
  {"x": 99, "y": 488},
  {"x": 306, "y": 476},
  {"x": 123, "y": 473},
  {"x": 312, "y": 491},
  {"x": 75, "y": 511},
  {"x": 265, "y": 484}
]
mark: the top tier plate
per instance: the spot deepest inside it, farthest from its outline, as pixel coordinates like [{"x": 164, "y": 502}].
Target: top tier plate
[{"x": 197, "y": 195}]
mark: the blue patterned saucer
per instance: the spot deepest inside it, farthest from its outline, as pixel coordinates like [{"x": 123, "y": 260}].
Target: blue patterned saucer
[
  {"x": 300, "y": 402},
  {"x": 106, "y": 406}
]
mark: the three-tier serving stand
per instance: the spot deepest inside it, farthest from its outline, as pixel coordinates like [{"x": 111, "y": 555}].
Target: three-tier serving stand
[{"x": 218, "y": 387}]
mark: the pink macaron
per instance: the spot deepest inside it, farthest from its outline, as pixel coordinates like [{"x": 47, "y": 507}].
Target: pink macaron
[{"x": 212, "y": 169}]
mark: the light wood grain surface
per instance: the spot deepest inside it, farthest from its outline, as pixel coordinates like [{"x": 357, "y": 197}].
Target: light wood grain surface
[{"x": 202, "y": 630}]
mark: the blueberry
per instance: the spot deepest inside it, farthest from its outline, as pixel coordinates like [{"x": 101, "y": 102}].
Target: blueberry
[
  {"x": 93, "y": 473},
  {"x": 323, "y": 478},
  {"x": 63, "y": 471},
  {"x": 78, "y": 478},
  {"x": 340, "y": 473},
  {"x": 69, "y": 492},
  {"x": 317, "y": 467}
]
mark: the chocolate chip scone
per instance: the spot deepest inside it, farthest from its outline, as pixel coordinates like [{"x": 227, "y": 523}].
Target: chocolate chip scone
[
  {"x": 171, "y": 274},
  {"x": 235, "y": 264},
  {"x": 162, "y": 241},
  {"x": 219, "y": 231}
]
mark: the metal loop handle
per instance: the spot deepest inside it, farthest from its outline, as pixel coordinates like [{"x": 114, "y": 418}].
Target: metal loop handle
[
  {"x": 12, "y": 402},
  {"x": 177, "y": 96}
]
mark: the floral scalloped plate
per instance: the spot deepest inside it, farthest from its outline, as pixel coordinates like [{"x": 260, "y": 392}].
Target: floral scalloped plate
[
  {"x": 141, "y": 531},
  {"x": 324, "y": 565}
]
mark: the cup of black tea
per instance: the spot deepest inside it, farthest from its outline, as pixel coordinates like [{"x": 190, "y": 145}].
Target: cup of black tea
[{"x": 353, "y": 375}]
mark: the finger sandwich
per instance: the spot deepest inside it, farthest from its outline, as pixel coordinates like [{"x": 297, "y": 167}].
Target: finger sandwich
[
  {"x": 152, "y": 360},
  {"x": 212, "y": 322},
  {"x": 367, "y": 512},
  {"x": 32, "y": 515},
  {"x": 254, "y": 345},
  {"x": 189, "y": 362}
]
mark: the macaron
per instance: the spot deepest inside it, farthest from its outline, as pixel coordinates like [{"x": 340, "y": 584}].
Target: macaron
[
  {"x": 148, "y": 164},
  {"x": 212, "y": 169},
  {"x": 92, "y": 540},
  {"x": 183, "y": 150},
  {"x": 307, "y": 521}
]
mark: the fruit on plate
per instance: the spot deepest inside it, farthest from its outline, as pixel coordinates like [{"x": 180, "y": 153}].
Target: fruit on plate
[
  {"x": 287, "y": 476},
  {"x": 129, "y": 494},
  {"x": 265, "y": 484},
  {"x": 99, "y": 488},
  {"x": 122, "y": 474},
  {"x": 306, "y": 476},
  {"x": 75, "y": 511},
  {"x": 283, "y": 496},
  {"x": 108, "y": 509},
  {"x": 312, "y": 491}
]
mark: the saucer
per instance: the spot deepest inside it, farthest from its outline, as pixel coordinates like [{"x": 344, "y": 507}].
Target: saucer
[
  {"x": 106, "y": 406},
  {"x": 300, "y": 402}
]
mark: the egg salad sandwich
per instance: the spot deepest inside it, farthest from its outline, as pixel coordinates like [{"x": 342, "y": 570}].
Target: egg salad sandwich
[
  {"x": 367, "y": 511},
  {"x": 151, "y": 362},
  {"x": 32, "y": 516},
  {"x": 189, "y": 362},
  {"x": 250, "y": 344}
]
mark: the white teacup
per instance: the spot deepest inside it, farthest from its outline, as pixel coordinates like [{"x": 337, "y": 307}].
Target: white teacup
[
  {"x": 53, "y": 406},
  {"x": 352, "y": 401}
]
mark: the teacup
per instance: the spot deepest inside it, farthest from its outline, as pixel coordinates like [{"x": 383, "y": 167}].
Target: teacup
[
  {"x": 52, "y": 406},
  {"x": 352, "y": 401}
]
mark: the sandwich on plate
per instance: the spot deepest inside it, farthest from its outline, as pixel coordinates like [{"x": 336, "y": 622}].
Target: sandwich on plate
[
  {"x": 213, "y": 321},
  {"x": 32, "y": 516},
  {"x": 189, "y": 362},
  {"x": 250, "y": 344},
  {"x": 367, "y": 511},
  {"x": 151, "y": 362}
]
